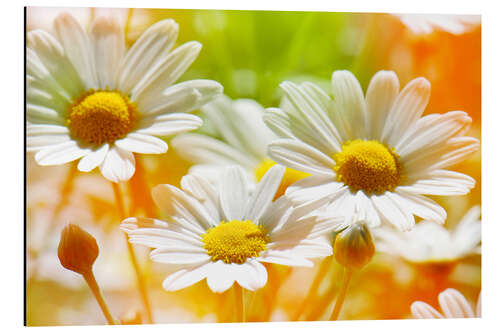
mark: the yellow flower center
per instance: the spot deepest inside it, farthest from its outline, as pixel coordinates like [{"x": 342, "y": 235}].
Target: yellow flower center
[
  {"x": 101, "y": 116},
  {"x": 367, "y": 165},
  {"x": 290, "y": 176},
  {"x": 235, "y": 241}
]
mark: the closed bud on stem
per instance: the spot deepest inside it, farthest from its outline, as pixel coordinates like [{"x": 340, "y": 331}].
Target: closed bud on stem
[
  {"x": 354, "y": 246},
  {"x": 77, "y": 249}
]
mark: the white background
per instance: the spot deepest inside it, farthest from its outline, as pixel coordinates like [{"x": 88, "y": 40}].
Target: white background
[{"x": 12, "y": 153}]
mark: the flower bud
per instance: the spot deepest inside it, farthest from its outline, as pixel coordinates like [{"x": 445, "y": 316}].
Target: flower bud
[
  {"x": 354, "y": 246},
  {"x": 77, "y": 249}
]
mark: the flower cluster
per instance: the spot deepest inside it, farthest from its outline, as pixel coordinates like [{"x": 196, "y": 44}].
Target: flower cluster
[{"x": 341, "y": 173}]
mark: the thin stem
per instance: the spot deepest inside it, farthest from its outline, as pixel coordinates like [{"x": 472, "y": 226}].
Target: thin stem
[
  {"x": 323, "y": 268},
  {"x": 239, "y": 300},
  {"x": 94, "y": 287},
  {"x": 342, "y": 294},
  {"x": 133, "y": 258}
]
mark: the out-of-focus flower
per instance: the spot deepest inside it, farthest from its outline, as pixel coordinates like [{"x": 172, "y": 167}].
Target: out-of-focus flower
[
  {"x": 374, "y": 155},
  {"x": 354, "y": 246},
  {"x": 430, "y": 242},
  {"x": 427, "y": 23},
  {"x": 90, "y": 98},
  {"x": 43, "y": 17},
  {"x": 453, "y": 304},
  {"x": 224, "y": 234},
  {"x": 243, "y": 141},
  {"x": 77, "y": 249}
]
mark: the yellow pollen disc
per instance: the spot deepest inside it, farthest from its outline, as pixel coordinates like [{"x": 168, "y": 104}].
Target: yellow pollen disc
[
  {"x": 235, "y": 241},
  {"x": 101, "y": 116},
  {"x": 367, "y": 165},
  {"x": 290, "y": 176}
]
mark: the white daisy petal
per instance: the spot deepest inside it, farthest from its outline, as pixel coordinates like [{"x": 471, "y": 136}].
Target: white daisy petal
[
  {"x": 203, "y": 149},
  {"x": 245, "y": 116},
  {"x": 429, "y": 241},
  {"x": 381, "y": 93},
  {"x": 43, "y": 136},
  {"x": 202, "y": 190},
  {"x": 308, "y": 248},
  {"x": 118, "y": 166},
  {"x": 109, "y": 45},
  {"x": 182, "y": 97},
  {"x": 152, "y": 46},
  {"x": 177, "y": 203},
  {"x": 392, "y": 212},
  {"x": 169, "y": 124},
  {"x": 308, "y": 113},
  {"x": 422, "y": 310},
  {"x": 277, "y": 214},
  {"x": 133, "y": 223},
  {"x": 441, "y": 182},
  {"x": 309, "y": 227},
  {"x": 264, "y": 193},
  {"x": 39, "y": 114},
  {"x": 278, "y": 121},
  {"x": 366, "y": 210},
  {"x": 142, "y": 143},
  {"x": 234, "y": 192},
  {"x": 93, "y": 159},
  {"x": 60, "y": 154},
  {"x": 349, "y": 102},
  {"x": 432, "y": 130},
  {"x": 251, "y": 275},
  {"x": 406, "y": 110},
  {"x": 301, "y": 156},
  {"x": 466, "y": 237},
  {"x": 76, "y": 45},
  {"x": 312, "y": 188},
  {"x": 280, "y": 258},
  {"x": 421, "y": 206},
  {"x": 453, "y": 151},
  {"x": 185, "y": 277},
  {"x": 159, "y": 234},
  {"x": 454, "y": 304},
  {"x": 56, "y": 70},
  {"x": 180, "y": 254},
  {"x": 165, "y": 72},
  {"x": 44, "y": 92},
  {"x": 343, "y": 203},
  {"x": 239, "y": 124},
  {"x": 221, "y": 276},
  {"x": 336, "y": 120}
]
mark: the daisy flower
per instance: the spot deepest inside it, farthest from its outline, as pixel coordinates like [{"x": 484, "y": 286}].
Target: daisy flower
[
  {"x": 421, "y": 24},
  {"x": 225, "y": 233},
  {"x": 376, "y": 156},
  {"x": 90, "y": 98},
  {"x": 431, "y": 242},
  {"x": 236, "y": 135},
  {"x": 453, "y": 304}
]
